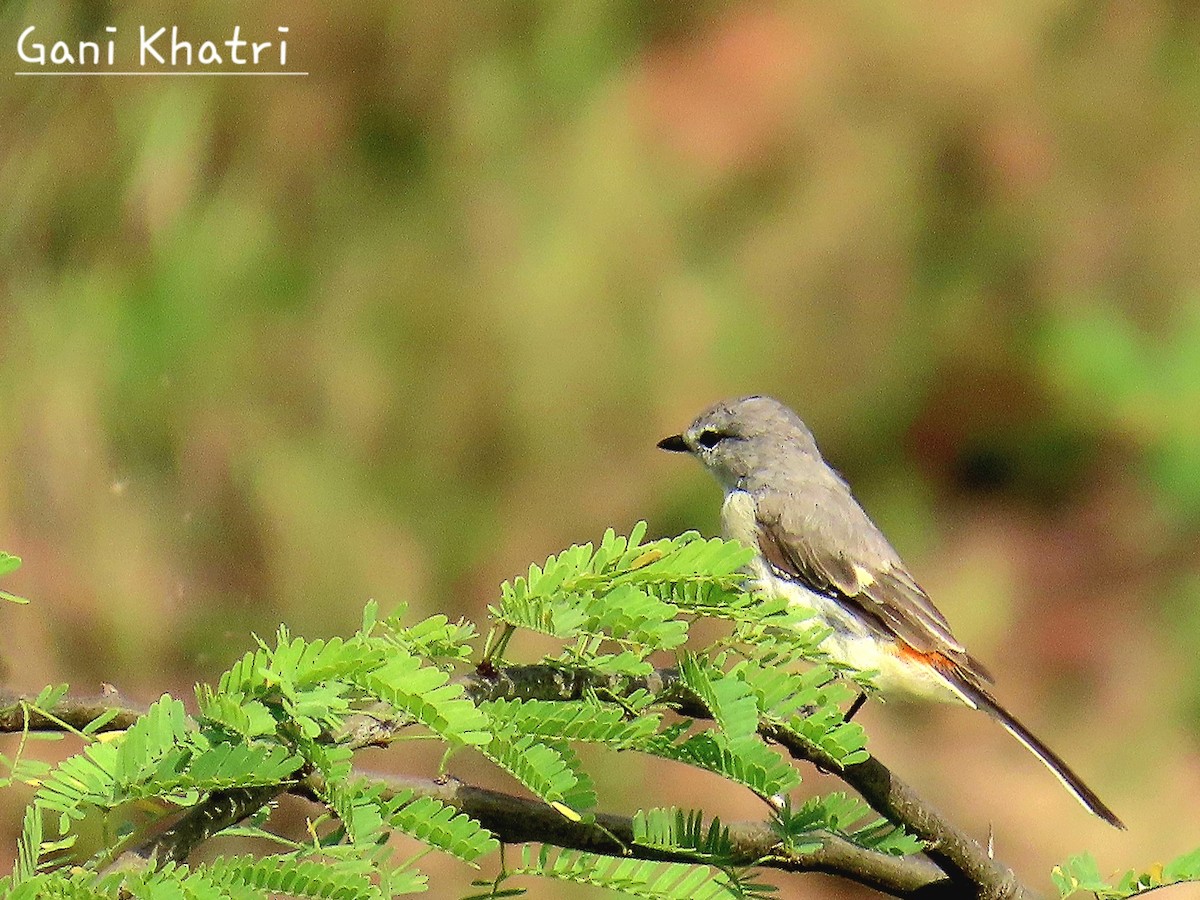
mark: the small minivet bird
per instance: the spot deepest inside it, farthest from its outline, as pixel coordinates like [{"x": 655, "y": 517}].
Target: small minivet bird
[{"x": 817, "y": 547}]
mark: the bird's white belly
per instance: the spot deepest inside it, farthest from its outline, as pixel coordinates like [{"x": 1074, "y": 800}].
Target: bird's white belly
[{"x": 851, "y": 643}]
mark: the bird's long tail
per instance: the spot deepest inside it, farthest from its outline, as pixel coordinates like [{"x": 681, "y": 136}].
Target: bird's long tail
[{"x": 981, "y": 699}]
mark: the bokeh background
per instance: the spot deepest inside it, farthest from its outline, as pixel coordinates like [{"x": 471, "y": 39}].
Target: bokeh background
[{"x": 276, "y": 346}]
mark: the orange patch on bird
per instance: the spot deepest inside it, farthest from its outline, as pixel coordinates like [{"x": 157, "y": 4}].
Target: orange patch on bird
[{"x": 912, "y": 654}]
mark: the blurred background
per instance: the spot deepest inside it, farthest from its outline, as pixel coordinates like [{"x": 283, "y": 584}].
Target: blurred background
[{"x": 276, "y": 346}]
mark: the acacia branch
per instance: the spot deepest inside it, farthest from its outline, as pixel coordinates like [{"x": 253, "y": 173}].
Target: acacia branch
[
  {"x": 517, "y": 820},
  {"x": 958, "y": 855},
  {"x": 195, "y": 825},
  {"x": 17, "y": 714},
  {"x": 965, "y": 867}
]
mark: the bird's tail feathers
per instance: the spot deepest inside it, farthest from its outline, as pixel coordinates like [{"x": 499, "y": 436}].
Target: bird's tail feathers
[{"x": 980, "y": 698}]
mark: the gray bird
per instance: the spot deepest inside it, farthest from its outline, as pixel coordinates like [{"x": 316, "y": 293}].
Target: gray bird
[{"x": 820, "y": 550}]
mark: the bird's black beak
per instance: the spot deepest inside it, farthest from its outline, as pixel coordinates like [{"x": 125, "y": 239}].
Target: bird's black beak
[{"x": 674, "y": 443}]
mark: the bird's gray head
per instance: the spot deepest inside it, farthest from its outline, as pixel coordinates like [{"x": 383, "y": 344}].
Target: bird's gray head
[{"x": 750, "y": 436}]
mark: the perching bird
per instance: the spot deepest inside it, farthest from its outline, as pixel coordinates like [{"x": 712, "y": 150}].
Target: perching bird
[{"x": 819, "y": 549}]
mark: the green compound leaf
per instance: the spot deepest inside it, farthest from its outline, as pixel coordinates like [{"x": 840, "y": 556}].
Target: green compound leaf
[
  {"x": 551, "y": 771},
  {"x": 572, "y": 721},
  {"x": 751, "y": 764},
  {"x": 424, "y": 692},
  {"x": 443, "y": 827},
  {"x": 837, "y": 813},
  {"x": 637, "y": 878},
  {"x": 367, "y": 815},
  {"x": 1081, "y": 874},
  {"x": 727, "y": 696},
  {"x": 675, "y": 829}
]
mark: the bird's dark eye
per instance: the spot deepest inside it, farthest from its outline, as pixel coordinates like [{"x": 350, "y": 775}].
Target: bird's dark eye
[{"x": 709, "y": 439}]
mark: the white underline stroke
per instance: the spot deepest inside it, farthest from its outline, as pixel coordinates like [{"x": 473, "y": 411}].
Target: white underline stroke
[{"x": 157, "y": 74}]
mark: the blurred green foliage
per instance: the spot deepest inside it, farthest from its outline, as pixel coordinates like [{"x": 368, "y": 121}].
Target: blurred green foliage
[{"x": 393, "y": 329}]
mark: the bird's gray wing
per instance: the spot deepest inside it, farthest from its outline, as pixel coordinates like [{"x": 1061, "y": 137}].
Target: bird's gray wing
[{"x": 828, "y": 544}]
